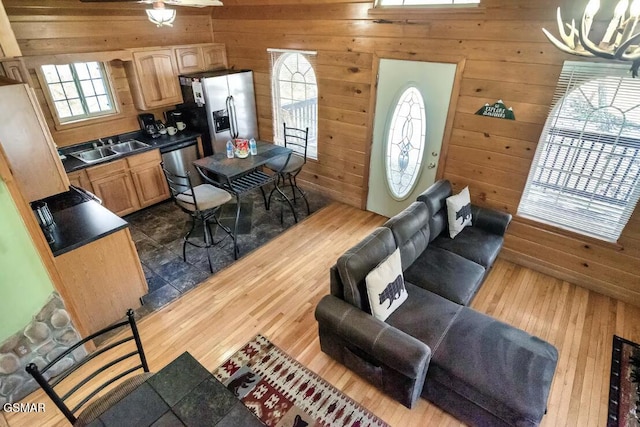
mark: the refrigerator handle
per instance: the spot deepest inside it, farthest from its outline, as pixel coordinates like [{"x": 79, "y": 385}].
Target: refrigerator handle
[
  {"x": 228, "y": 107},
  {"x": 233, "y": 117}
]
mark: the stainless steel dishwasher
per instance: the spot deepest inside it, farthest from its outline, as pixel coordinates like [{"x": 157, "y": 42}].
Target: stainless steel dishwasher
[{"x": 178, "y": 158}]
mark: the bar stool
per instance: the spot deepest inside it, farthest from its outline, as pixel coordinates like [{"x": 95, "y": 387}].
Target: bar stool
[
  {"x": 202, "y": 203},
  {"x": 297, "y": 140}
]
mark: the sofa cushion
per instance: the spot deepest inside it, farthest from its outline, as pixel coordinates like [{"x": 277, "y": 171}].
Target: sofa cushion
[
  {"x": 385, "y": 285},
  {"x": 446, "y": 274},
  {"x": 474, "y": 244},
  {"x": 490, "y": 364},
  {"x": 357, "y": 262},
  {"x": 459, "y": 212},
  {"x": 410, "y": 230},
  {"x": 435, "y": 198},
  {"x": 424, "y": 315}
]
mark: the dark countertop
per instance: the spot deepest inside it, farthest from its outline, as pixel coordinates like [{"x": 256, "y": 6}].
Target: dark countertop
[
  {"x": 71, "y": 164},
  {"x": 81, "y": 224}
]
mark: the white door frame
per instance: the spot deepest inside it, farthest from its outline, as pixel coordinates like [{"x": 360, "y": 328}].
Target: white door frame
[{"x": 453, "y": 103}]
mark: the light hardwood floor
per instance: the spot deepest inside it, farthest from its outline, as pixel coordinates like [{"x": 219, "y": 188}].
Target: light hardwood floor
[{"x": 274, "y": 291}]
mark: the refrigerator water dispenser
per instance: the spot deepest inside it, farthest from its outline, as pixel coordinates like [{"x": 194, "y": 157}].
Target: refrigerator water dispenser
[{"x": 221, "y": 121}]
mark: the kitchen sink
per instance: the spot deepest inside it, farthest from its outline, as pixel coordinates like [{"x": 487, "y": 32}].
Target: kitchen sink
[
  {"x": 128, "y": 146},
  {"x": 95, "y": 154}
]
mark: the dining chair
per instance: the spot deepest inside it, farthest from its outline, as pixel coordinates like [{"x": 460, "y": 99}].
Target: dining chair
[
  {"x": 202, "y": 203},
  {"x": 112, "y": 370},
  {"x": 298, "y": 141}
]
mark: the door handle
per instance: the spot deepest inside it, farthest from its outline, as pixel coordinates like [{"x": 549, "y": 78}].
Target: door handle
[{"x": 431, "y": 165}]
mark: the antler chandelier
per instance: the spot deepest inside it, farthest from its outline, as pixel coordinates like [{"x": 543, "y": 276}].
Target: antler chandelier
[{"x": 621, "y": 40}]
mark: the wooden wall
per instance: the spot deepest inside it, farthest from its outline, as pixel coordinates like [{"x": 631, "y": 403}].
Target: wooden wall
[
  {"x": 507, "y": 57},
  {"x": 50, "y": 27}
]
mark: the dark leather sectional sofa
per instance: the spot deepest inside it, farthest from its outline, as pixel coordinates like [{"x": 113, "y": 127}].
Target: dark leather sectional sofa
[{"x": 482, "y": 371}]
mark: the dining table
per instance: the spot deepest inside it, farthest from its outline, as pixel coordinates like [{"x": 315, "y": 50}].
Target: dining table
[
  {"x": 183, "y": 393},
  {"x": 238, "y": 176}
]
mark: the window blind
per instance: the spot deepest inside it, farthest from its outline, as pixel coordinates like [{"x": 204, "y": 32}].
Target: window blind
[{"x": 585, "y": 173}]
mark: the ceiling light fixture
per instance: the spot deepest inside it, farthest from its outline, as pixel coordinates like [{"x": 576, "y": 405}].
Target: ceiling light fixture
[
  {"x": 161, "y": 16},
  {"x": 620, "y": 41}
]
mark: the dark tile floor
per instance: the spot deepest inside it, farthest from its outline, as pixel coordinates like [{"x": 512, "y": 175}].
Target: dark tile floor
[{"x": 158, "y": 231}]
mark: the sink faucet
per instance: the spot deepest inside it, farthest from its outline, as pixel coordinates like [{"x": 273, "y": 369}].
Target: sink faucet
[{"x": 109, "y": 142}]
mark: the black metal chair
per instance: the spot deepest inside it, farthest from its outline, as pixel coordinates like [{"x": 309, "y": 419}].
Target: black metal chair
[
  {"x": 202, "y": 203},
  {"x": 297, "y": 140},
  {"x": 109, "y": 368}
]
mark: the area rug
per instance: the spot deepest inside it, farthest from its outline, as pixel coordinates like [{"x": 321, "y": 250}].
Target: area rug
[
  {"x": 624, "y": 397},
  {"x": 282, "y": 392}
]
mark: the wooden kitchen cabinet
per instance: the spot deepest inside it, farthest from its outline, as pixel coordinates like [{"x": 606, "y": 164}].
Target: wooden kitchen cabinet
[
  {"x": 148, "y": 178},
  {"x": 28, "y": 144},
  {"x": 189, "y": 59},
  {"x": 14, "y": 69},
  {"x": 112, "y": 183},
  {"x": 153, "y": 78},
  {"x": 80, "y": 179},
  {"x": 202, "y": 57},
  {"x": 103, "y": 277},
  {"x": 215, "y": 56},
  {"x": 128, "y": 184}
]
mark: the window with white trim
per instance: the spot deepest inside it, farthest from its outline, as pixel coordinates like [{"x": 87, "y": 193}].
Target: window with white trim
[
  {"x": 294, "y": 93},
  {"x": 78, "y": 91},
  {"x": 382, "y": 3},
  {"x": 586, "y": 171},
  {"x": 405, "y": 143}
]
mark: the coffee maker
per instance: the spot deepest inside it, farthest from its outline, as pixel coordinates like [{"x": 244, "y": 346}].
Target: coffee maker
[
  {"x": 148, "y": 124},
  {"x": 173, "y": 117}
]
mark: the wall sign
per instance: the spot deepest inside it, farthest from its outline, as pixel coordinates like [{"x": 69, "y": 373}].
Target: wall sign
[{"x": 498, "y": 110}]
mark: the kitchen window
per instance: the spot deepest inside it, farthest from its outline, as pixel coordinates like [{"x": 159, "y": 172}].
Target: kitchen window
[
  {"x": 78, "y": 91},
  {"x": 585, "y": 176},
  {"x": 294, "y": 92}
]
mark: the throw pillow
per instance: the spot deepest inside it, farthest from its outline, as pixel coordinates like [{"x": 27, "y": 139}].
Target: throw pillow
[
  {"x": 459, "y": 212},
  {"x": 385, "y": 286}
]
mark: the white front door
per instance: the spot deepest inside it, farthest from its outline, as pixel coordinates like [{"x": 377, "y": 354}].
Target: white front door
[{"x": 412, "y": 103}]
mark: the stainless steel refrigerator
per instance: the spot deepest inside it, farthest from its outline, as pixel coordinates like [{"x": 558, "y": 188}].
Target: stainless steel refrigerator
[{"x": 221, "y": 105}]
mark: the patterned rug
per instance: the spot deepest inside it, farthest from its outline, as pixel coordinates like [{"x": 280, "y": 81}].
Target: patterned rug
[
  {"x": 624, "y": 391},
  {"x": 282, "y": 392}
]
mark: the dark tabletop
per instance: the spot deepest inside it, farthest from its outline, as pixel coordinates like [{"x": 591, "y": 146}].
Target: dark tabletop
[
  {"x": 81, "y": 224},
  {"x": 182, "y": 393},
  {"x": 224, "y": 167}
]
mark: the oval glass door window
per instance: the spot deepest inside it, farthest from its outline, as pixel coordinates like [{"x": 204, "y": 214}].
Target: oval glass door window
[{"x": 405, "y": 143}]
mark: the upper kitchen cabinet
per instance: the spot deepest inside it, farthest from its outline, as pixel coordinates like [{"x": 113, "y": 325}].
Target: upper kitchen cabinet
[
  {"x": 201, "y": 57},
  {"x": 14, "y": 69},
  {"x": 28, "y": 144},
  {"x": 153, "y": 78}
]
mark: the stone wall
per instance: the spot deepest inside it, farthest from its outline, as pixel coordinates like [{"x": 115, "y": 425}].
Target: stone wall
[{"x": 42, "y": 340}]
